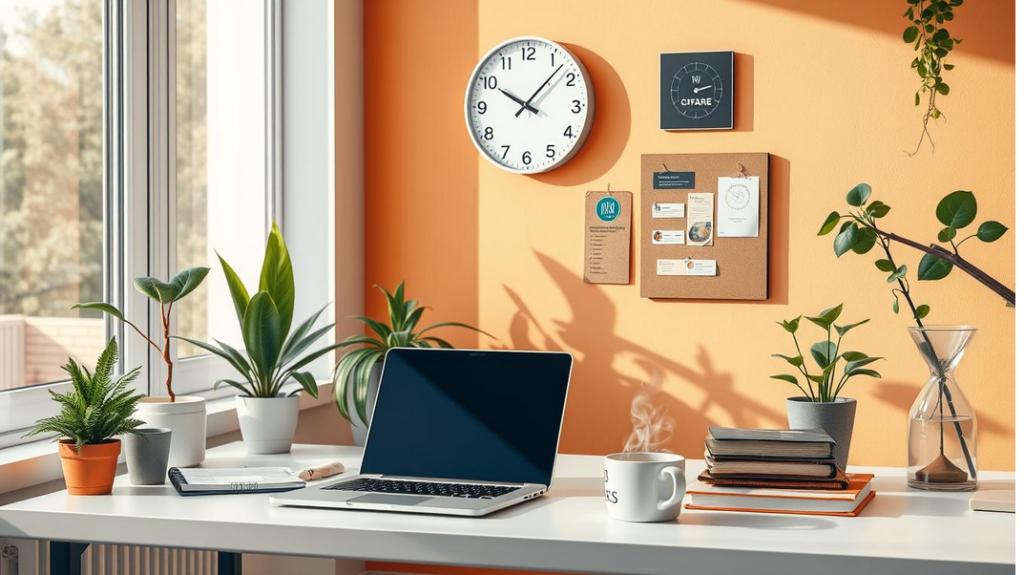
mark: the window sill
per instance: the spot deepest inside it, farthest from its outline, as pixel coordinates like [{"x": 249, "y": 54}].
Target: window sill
[{"x": 37, "y": 462}]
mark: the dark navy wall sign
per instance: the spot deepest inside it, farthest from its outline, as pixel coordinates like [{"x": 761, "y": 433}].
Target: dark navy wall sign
[{"x": 697, "y": 91}]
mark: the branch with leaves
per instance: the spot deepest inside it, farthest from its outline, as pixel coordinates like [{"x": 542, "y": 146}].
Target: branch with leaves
[
  {"x": 933, "y": 43},
  {"x": 164, "y": 294},
  {"x": 823, "y": 387}
]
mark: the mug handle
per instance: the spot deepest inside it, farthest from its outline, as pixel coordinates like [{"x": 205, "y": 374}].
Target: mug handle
[{"x": 678, "y": 478}]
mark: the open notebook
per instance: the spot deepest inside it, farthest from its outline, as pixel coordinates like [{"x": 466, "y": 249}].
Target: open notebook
[{"x": 207, "y": 481}]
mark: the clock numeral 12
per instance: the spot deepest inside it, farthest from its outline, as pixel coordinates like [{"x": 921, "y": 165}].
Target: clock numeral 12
[{"x": 529, "y": 52}]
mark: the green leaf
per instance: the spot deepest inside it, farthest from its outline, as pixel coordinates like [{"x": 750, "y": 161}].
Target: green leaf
[
  {"x": 830, "y": 224},
  {"x": 910, "y": 34},
  {"x": 957, "y": 210},
  {"x": 942, "y": 88},
  {"x": 261, "y": 331},
  {"x": 900, "y": 273},
  {"x": 895, "y": 303},
  {"x": 277, "y": 278},
  {"x": 795, "y": 361},
  {"x": 853, "y": 355},
  {"x": 991, "y": 231},
  {"x": 307, "y": 381},
  {"x": 917, "y": 98},
  {"x": 885, "y": 266},
  {"x": 947, "y": 66},
  {"x": 826, "y": 318},
  {"x": 188, "y": 280},
  {"x": 100, "y": 306},
  {"x": 791, "y": 325},
  {"x": 842, "y": 329},
  {"x": 933, "y": 268},
  {"x": 786, "y": 377},
  {"x": 867, "y": 372},
  {"x": 451, "y": 324},
  {"x": 239, "y": 295},
  {"x": 824, "y": 353},
  {"x": 852, "y": 366},
  {"x": 845, "y": 240},
  {"x": 865, "y": 241},
  {"x": 877, "y": 209},
  {"x": 225, "y": 352},
  {"x": 237, "y": 385},
  {"x": 156, "y": 290},
  {"x": 858, "y": 195},
  {"x": 922, "y": 311},
  {"x": 947, "y": 234}
]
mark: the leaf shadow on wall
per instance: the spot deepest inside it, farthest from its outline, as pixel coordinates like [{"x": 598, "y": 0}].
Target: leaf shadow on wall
[
  {"x": 901, "y": 395},
  {"x": 597, "y": 418},
  {"x": 610, "y": 130}
]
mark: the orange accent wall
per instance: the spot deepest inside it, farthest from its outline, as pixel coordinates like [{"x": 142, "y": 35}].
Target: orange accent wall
[{"x": 827, "y": 91}]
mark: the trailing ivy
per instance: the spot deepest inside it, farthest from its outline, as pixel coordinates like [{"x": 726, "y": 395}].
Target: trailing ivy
[{"x": 933, "y": 43}]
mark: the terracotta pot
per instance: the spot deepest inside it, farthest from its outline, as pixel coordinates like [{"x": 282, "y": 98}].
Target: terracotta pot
[{"x": 89, "y": 471}]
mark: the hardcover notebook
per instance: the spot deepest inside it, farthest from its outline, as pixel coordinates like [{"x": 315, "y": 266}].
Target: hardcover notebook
[
  {"x": 726, "y": 442},
  {"x": 835, "y": 502},
  {"x": 808, "y": 470},
  {"x": 840, "y": 482},
  {"x": 202, "y": 481}
]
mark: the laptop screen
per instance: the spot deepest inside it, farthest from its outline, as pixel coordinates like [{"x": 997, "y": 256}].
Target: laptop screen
[{"x": 471, "y": 415}]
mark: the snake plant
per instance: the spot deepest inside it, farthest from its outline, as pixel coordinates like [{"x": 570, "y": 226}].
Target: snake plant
[
  {"x": 353, "y": 369},
  {"x": 273, "y": 353}
]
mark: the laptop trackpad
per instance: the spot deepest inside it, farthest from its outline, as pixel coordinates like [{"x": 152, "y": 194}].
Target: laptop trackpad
[{"x": 385, "y": 499}]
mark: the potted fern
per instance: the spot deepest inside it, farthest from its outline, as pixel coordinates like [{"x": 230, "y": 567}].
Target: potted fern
[
  {"x": 184, "y": 415},
  {"x": 357, "y": 373},
  {"x": 273, "y": 356},
  {"x": 97, "y": 411}
]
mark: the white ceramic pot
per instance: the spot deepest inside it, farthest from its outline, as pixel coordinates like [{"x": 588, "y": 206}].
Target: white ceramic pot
[
  {"x": 268, "y": 423},
  {"x": 186, "y": 418}
]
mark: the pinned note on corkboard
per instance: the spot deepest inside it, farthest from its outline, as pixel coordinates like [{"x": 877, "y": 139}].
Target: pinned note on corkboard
[
  {"x": 701, "y": 264},
  {"x": 608, "y": 231}
]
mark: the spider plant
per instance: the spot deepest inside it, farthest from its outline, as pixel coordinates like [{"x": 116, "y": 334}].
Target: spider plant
[
  {"x": 353, "y": 370},
  {"x": 273, "y": 353},
  {"x": 98, "y": 408}
]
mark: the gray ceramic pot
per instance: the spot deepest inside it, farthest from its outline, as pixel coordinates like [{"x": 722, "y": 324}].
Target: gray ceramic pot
[
  {"x": 358, "y": 429},
  {"x": 146, "y": 455},
  {"x": 835, "y": 418}
]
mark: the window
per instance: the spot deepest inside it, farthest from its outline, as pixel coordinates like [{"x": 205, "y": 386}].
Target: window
[{"x": 51, "y": 187}]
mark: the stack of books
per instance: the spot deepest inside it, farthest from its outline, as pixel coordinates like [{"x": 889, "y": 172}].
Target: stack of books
[{"x": 776, "y": 471}]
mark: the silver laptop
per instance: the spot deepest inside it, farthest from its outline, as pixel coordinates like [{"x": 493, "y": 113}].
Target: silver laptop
[{"x": 455, "y": 432}]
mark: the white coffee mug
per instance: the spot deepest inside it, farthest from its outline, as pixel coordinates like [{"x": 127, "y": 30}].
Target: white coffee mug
[{"x": 644, "y": 487}]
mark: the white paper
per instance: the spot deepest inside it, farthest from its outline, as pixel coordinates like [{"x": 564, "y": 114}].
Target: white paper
[
  {"x": 738, "y": 207},
  {"x": 668, "y": 237},
  {"x": 700, "y": 229},
  {"x": 661, "y": 210},
  {"x": 687, "y": 267}
]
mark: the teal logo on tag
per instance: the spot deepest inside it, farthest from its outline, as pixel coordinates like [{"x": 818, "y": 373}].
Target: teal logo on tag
[{"x": 608, "y": 209}]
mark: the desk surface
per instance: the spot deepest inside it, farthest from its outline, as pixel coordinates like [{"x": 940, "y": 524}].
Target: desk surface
[{"x": 902, "y": 530}]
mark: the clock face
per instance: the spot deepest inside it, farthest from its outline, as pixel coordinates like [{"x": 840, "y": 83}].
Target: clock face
[
  {"x": 696, "y": 90},
  {"x": 529, "y": 105}
]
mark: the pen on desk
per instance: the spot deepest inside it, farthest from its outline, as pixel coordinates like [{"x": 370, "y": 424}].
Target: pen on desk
[{"x": 322, "y": 471}]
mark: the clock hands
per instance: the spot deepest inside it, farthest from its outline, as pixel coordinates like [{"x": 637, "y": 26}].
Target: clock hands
[
  {"x": 529, "y": 101},
  {"x": 696, "y": 90},
  {"x": 520, "y": 101}
]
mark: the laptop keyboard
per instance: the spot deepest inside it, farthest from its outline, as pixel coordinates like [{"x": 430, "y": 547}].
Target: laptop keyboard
[{"x": 429, "y": 488}]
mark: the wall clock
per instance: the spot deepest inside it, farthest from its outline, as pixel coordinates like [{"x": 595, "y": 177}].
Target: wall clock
[
  {"x": 529, "y": 105},
  {"x": 697, "y": 91}
]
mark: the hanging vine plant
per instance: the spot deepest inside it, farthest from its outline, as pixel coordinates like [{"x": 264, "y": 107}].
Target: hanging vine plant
[{"x": 933, "y": 43}]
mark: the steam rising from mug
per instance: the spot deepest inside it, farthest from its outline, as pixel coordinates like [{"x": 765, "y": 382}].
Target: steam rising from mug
[{"x": 651, "y": 427}]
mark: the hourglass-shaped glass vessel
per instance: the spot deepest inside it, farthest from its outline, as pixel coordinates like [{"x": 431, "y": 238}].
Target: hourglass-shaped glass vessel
[{"x": 942, "y": 428}]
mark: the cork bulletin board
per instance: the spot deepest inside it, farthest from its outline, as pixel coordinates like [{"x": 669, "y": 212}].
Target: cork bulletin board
[{"x": 742, "y": 262}]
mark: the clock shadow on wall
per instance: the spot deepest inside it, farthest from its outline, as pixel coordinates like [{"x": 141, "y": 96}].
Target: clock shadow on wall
[{"x": 610, "y": 131}]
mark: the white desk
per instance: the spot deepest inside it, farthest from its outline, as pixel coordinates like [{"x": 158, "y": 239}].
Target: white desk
[{"x": 901, "y": 531}]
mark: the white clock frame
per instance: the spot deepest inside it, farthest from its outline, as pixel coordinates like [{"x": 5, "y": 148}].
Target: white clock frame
[{"x": 584, "y": 130}]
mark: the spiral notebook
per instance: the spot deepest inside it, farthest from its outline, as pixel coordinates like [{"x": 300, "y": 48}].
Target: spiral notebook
[{"x": 206, "y": 481}]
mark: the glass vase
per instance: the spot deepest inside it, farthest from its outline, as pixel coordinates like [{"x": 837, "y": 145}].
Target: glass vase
[{"x": 942, "y": 427}]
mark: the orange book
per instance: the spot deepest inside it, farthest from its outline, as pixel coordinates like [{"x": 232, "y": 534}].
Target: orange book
[{"x": 832, "y": 502}]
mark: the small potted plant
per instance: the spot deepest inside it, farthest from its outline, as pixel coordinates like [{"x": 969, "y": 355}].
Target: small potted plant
[
  {"x": 273, "y": 354},
  {"x": 92, "y": 416},
  {"x": 184, "y": 415},
  {"x": 820, "y": 406},
  {"x": 357, "y": 373}
]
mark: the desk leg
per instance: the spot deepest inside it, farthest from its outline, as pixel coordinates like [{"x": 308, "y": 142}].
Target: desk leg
[
  {"x": 229, "y": 563},
  {"x": 66, "y": 558}
]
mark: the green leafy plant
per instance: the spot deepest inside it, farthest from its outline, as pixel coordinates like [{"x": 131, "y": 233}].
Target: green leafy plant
[
  {"x": 164, "y": 294},
  {"x": 98, "y": 407},
  {"x": 932, "y": 43},
  {"x": 824, "y": 387},
  {"x": 353, "y": 369},
  {"x": 273, "y": 353}
]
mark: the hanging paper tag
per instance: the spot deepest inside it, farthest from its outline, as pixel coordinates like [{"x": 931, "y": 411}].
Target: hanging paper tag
[{"x": 608, "y": 223}]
